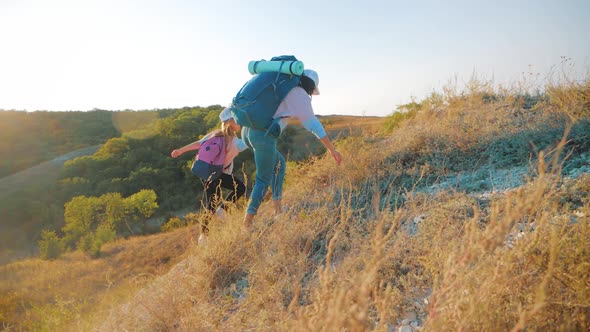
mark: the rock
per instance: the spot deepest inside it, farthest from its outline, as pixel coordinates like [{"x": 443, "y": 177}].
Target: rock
[
  {"x": 405, "y": 328},
  {"x": 411, "y": 316},
  {"x": 418, "y": 306}
]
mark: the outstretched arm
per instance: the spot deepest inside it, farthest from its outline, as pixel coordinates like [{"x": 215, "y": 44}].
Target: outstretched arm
[
  {"x": 315, "y": 126},
  {"x": 328, "y": 144},
  {"x": 193, "y": 146},
  {"x": 297, "y": 104}
]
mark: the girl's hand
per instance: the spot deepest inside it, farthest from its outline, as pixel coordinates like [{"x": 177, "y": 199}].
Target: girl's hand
[{"x": 175, "y": 153}]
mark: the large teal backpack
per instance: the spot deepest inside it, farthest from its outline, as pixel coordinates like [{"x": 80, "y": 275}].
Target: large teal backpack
[{"x": 258, "y": 100}]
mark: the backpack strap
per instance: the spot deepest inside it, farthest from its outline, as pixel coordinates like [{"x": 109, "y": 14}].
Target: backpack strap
[{"x": 274, "y": 86}]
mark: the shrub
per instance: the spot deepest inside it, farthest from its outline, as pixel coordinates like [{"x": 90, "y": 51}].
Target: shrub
[
  {"x": 105, "y": 233},
  {"x": 50, "y": 247},
  {"x": 88, "y": 244},
  {"x": 173, "y": 223},
  {"x": 404, "y": 112},
  {"x": 571, "y": 98}
]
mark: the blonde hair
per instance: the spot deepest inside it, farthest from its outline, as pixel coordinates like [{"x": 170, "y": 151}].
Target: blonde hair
[{"x": 227, "y": 130}]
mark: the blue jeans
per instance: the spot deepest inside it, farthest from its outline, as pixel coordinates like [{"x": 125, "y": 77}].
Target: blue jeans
[{"x": 270, "y": 166}]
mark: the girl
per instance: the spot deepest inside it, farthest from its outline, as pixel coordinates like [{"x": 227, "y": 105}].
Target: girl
[
  {"x": 270, "y": 164},
  {"x": 213, "y": 192}
]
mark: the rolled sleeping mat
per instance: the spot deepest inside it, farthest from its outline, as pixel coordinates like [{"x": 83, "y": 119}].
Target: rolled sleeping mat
[{"x": 285, "y": 67}]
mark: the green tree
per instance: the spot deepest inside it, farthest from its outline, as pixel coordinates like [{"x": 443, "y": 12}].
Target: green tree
[
  {"x": 50, "y": 247},
  {"x": 172, "y": 224},
  {"x": 114, "y": 147},
  {"x": 143, "y": 204},
  {"x": 91, "y": 243},
  {"x": 87, "y": 245},
  {"x": 115, "y": 211},
  {"x": 81, "y": 217},
  {"x": 104, "y": 234}
]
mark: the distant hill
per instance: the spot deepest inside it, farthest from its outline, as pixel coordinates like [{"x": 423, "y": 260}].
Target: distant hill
[{"x": 30, "y": 138}]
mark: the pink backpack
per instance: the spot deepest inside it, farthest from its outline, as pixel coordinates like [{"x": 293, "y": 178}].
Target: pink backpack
[{"x": 209, "y": 162}]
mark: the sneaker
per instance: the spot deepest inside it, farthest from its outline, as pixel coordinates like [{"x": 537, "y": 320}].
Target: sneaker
[
  {"x": 220, "y": 213},
  {"x": 202, "y": 239}
]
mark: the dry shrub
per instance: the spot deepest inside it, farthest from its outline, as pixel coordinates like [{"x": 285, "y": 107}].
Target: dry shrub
[
  {"x": 571, "y": 98},
  {"x": 351, "y": 294},
  {"x": 484, "y": 284}
]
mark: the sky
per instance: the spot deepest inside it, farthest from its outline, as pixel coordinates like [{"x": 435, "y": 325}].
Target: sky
[{"x": 371, "y": 56}]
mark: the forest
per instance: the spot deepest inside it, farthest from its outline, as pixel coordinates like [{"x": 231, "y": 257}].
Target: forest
[{"x": 29, "y": 138}]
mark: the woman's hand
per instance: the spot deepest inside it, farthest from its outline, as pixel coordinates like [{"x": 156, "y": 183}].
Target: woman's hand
[
  {"x": 328, "y": 144},
  {"x": 336, "y": 156}
]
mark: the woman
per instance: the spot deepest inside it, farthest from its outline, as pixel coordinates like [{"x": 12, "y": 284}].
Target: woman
[
  {"x": 213, "y": 188},
  {"x": 270, "y": 164}
]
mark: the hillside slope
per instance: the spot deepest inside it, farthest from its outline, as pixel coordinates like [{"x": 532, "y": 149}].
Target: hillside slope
[
  {"x": 15, "y": 191},
  {"x": 473, "y": 217},
  {"x": 337, "y": 259},
  {"x": 472, "y": 214},
  {"x": 53, "y": 295}
]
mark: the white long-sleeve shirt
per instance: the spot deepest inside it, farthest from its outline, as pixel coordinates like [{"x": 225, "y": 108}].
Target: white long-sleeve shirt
[
  {"x": 297, "y": 104},
  {"x": 231, "y": 151}
]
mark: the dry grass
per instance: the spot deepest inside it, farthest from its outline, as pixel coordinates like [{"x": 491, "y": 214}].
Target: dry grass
[
  {"x": 366, "y": 245},
  {"x": 322, "y": 268},
  {"x": 344, "y": 257},
  {"x": 52, "y": 295}
]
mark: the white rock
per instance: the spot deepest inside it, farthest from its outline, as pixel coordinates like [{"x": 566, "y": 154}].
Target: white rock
[
  {"x": 411, "y": 315},
  {"x": 405, "y": 328}
]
